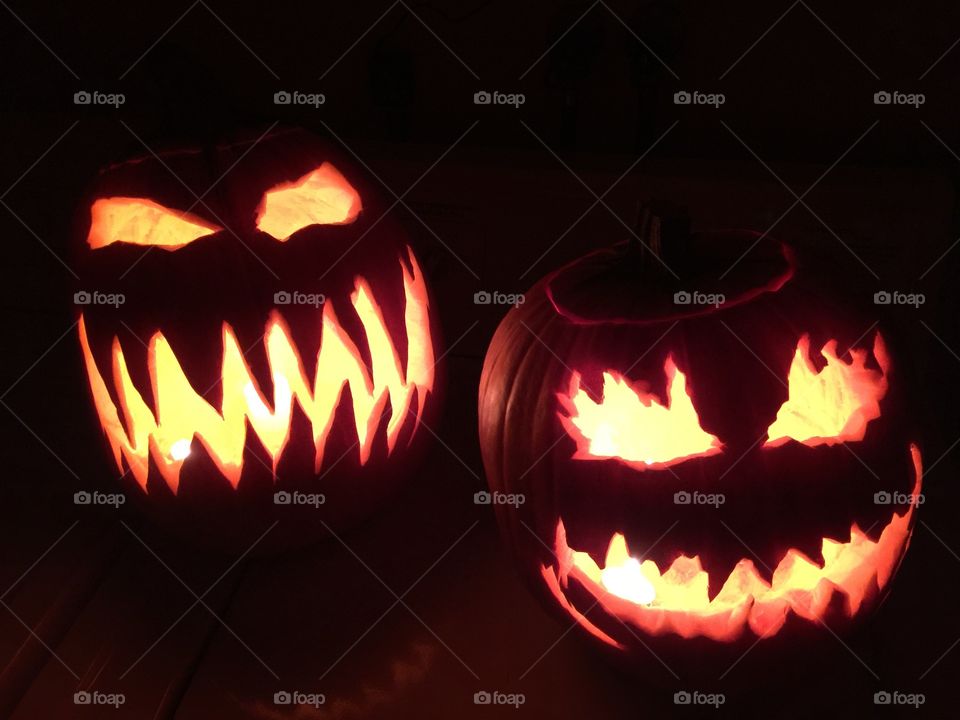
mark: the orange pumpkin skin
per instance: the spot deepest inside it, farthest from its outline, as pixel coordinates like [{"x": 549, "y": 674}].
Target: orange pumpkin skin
[
  {"x": 677, "y": 504},
  {"x": 276, "y": 336}
]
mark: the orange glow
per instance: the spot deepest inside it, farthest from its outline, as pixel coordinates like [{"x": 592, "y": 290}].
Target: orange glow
[
  {"x": 835, "y": 404},
  {"x": 554, "y": 586},
  {"x": 677, "y": 600},
  {"x": 321, "y": 197},
  {"x": 143, "y": 222},
  {"x": 182, "y": 413},
  {"x": 633, "y": 426}
]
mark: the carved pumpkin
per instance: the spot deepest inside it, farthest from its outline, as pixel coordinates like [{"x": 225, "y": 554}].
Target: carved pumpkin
[
  {"x": 698, "y": 478},
  {"x": 274, "y": 336}
]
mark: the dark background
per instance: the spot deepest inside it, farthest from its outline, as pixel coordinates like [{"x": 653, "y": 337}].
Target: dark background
[{"x": 493, "y": 210}]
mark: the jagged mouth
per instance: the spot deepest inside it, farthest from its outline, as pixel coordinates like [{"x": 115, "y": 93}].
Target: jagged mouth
[
  {"x": 164, "y": 433},
  {"x": 677, "y": 600}
]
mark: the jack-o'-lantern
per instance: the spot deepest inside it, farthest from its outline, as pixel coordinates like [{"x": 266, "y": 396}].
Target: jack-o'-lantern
[
  {"x": 258, "y": 337},
  {"x": 712, "y": 456}
]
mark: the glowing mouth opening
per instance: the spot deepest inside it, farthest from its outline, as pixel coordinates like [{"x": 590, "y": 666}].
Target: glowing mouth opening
[
  {"x": 677, "y": 601},
  {"x": 165, "y": 433}
]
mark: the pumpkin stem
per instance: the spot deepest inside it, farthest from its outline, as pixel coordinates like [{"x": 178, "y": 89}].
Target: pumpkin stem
[{"x": 658, "y": 227}]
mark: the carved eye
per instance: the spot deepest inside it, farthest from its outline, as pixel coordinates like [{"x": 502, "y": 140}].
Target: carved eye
[
  {"x": 835, "y": 404},
  {"x": 633, "y": 426},
  {"x": 321, "y": 197},
  {"x": 139, "y": 221}
]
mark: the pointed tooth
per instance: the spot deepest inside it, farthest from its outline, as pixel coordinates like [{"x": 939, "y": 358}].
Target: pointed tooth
[{"x": 616, "y": 552}]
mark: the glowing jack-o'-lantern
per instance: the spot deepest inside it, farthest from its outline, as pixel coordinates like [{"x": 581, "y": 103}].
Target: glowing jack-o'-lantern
[
  {"x": 706, "y": 463},
  {"x": 260, "y": 367}
]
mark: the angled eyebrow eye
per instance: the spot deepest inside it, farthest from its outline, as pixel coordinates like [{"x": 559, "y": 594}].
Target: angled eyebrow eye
[
  {"x": 321, "y": 197},
  {"x": 834, "y": 405},
  {"x": 138, "y": 221}
]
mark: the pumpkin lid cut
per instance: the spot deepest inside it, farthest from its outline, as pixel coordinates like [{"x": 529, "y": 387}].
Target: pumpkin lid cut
[{"x": 653, "y": 276}]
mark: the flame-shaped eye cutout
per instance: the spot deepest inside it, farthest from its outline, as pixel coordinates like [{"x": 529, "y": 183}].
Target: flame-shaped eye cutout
[
  {"x": 139, "y": 221},
  {"x": 835, "y": 404},
  {"x": 321, "y": 197},
  {"x": 633, "y": 426}
]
